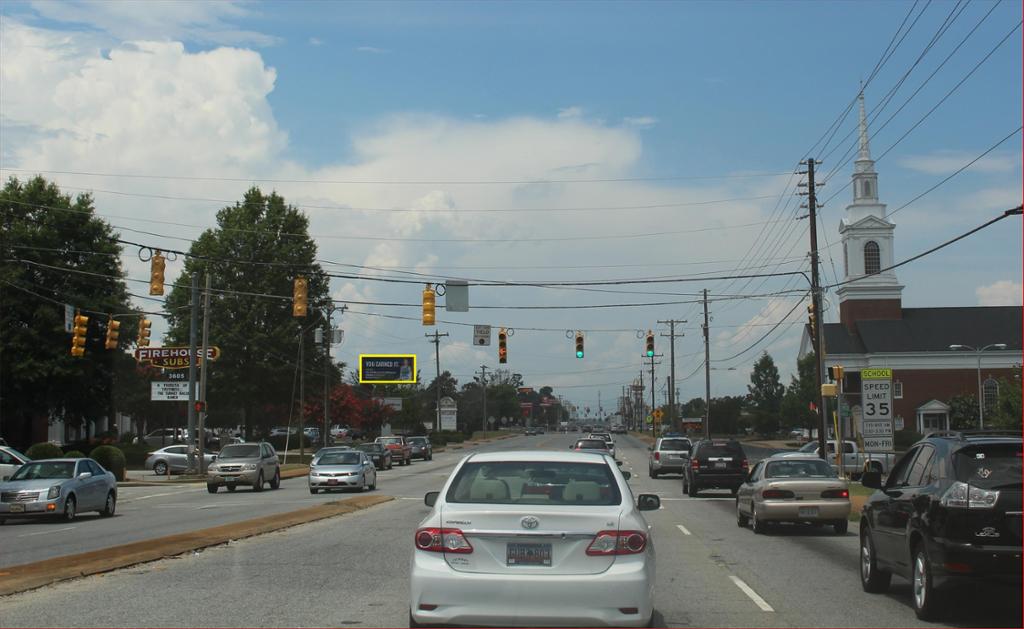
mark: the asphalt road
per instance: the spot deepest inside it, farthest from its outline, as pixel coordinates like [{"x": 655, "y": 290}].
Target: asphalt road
[{"x": 353, "y": 571}]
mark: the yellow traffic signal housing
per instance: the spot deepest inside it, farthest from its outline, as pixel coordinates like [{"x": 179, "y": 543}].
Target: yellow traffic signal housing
[
  {"x": 156, "y": 273},
  {"x": 579, "y": 345},
  {"x": 428, "y": 305},
  {"x": 829, "y": 390},
  {"x": 144, "y": 331},
  {"x": 835, "y": 373},
  {"x": 78, "y": 331},
  {"x": 650, "y": 344},
  {"x": 300, "y": 297},
  {"x": 502, "y": 346},
  {"x": 113, "y": 331}
]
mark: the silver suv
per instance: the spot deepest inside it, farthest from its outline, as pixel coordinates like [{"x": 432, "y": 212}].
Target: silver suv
[
  {"x": 670, "y": 455},
  {"x": 245, "y": 464}
]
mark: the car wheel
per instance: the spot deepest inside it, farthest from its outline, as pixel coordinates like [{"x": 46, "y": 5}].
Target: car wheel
[
  {"x": 760, "y": 526},
  {"x": 872, "y": 579},
  {"x": 211, "y": 488},
  {"x": 741, "y": 520},
  {"x": 231, "y": 487},
  {"x": 258, "y": 486},
  {"x": 652, "y": 473},
  {"x": 374, "y": 485},
  {"x": 160, "y": 468},
  {"x": 841, "y": 526},
  {"x": 691, "y": 489},
  {"x": 314, "y": 490},
  {"x": 109, "y": 505},
  {"x": 735, "y": 490},
  {"x": 69, "y": 509},
  {"x": 921, "y": 582},
  {"x": 276, "y": 481}
]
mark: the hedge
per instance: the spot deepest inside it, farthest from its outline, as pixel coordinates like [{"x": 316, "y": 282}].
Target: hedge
[
  {"x": 44, "y": 450},
  {"x": 74, "y": 454},
  {"x": 110, "y": 458}
]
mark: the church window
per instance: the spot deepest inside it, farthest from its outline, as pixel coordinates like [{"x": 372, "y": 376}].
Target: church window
[
  {"x": 867, "y": 188},
  {"x": 872, "y": 258},
  {"x": 990, "y": 389}
]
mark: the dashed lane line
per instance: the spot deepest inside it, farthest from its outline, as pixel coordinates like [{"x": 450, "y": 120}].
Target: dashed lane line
[
  {"x": 682, "y": 528},
  {"x": 67, "y": 528},
  {"x": 754, "y": 596}
]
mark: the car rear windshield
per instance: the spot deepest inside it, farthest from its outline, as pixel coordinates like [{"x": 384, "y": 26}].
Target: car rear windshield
[
  {"x": 721, "y": 450},
  {"x": 799, "y": 469},
  {"x": 239, "y": 451},
  {"x": 391, "y": 440},
  {"x": 675, "y": 444},
  {"x": 45, "y": 470},
  {"x": 592, "y": 444},
  {"x": 990, "y": 466},
  {"x": 421, "y": 440},
  {"x": 339, "y": 458},
  {"x": 535, "y": 483}
]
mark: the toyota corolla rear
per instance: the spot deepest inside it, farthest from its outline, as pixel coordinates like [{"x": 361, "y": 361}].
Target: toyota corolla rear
[{"x": 533, "y": 539}]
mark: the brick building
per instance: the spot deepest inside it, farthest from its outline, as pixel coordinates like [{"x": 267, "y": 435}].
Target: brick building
[{"x": 933, "y": 352}]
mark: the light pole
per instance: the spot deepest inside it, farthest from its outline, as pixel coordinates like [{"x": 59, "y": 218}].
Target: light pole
[
  {"x": 981, "y": 394},
  {"x": 328, "y": 340}
]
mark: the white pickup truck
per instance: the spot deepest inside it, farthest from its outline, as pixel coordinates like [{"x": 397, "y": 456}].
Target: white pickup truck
[{"x": 854, "y": 461}]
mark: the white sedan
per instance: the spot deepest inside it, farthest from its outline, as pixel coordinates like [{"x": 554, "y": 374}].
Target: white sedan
[{"x": 534, "y": 539}]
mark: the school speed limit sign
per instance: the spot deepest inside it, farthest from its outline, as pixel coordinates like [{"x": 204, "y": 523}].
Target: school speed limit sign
[{"x": 876, "y": 394}]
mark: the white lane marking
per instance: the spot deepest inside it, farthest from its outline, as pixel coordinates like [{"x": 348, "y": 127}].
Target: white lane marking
[
  {"x": 683, "y": 529},
  {"x": 754, "y": 596},
  {"x": 67, "y": 528},
  {"x": 169, "y": 493},
  {"x": 688, "y": 499}
]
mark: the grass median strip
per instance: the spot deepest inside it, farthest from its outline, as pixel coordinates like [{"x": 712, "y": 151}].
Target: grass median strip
[{"x": 38, "y": 574}]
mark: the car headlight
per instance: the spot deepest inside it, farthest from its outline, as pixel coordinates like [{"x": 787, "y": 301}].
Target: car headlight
[
  {"x": 249, "y": 466},
  {"x": 53, "y": 493}
]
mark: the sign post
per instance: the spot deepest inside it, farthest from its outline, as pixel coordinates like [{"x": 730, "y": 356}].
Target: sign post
[{"x": 876, "y": 409}]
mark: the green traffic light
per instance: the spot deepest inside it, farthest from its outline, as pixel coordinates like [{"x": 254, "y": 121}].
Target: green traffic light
[
  {"x": 579, "y": 353},
  {"x": 650, "y": 353}
]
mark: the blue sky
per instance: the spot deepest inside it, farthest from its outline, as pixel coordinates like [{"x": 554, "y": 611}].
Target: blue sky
[{"x": 464, "y": 91}]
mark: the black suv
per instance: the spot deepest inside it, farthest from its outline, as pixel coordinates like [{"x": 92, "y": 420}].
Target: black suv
[
  {"x": 715, "y": 463},
  {"x": 951, "y": 507}
]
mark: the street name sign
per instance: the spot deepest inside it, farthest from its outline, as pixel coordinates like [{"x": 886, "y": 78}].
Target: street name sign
[
  {"x": 876, "y": 410},
  {"x": 387, "y": 368}
]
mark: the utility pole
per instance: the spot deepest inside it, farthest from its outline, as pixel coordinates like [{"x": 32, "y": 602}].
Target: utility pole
[
  {"x": 483, "y": 384},
  {"x": 328, "y": 339},
  {"x": 707, "y": 372},
  {"x": 202, "y": 377},
  {"x": 819, "y": 354},
  {"x": 437, "y": 383},
  {"x": 672, "y": 369},
  {"x": 654, "y": 424},
  {"x": 193, "y": 332},
  {"x": 302, "y": 395}
]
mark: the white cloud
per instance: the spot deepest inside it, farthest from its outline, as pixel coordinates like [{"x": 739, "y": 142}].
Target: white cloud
[
  {"x": 570, "y": 112},
  {"x": 316, "y": 41},
  {"x": 640, "y": 122},
  {"x": 373, "y": 50},
  {"x": 946, "y": 161},
  {"x": 1001, "y": 293}
]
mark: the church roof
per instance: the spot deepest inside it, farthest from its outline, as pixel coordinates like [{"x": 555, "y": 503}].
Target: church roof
[{"x": 929, "y": 330}]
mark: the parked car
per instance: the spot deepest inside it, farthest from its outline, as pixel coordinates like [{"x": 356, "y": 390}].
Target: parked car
[
  {"x": 252, "y": 464},
  {"x": 855, "y": 462},
  {"x": 283, "y": 431},
  {"x": 529, "y": 432},
  {"x": 669, "y": 456},
  {"x": 172, "y": 459},
  {"x": 58, "y": 487},
  {"x": 715, "y": 463},
  {"x": 380, "y": 455},
  {"x": 793, "y": 489},
  {"x": 421, "y": 448},
  {"x": 400, "y": 450},
  {"x": 341, "y": 469},
  {"x": 10, "y": 460},
  {"x": 950, "y": 508},
  {"x": 163, "y": 437},
  {"x": 519, "y": 506}
]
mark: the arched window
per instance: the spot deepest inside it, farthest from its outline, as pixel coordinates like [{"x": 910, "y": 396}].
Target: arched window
[
  {"x": 990, "y": 389},
  {"x": 872, "y": 258}
]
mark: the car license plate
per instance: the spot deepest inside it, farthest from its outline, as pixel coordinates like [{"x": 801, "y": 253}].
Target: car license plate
[
  {"x": 332, "y": 481},
  {"x": 719, "y": 465},
  {"x": 529, "y": 555},
  {"x": 808, "y": 512},
  {"x": 17, "y": 508}
]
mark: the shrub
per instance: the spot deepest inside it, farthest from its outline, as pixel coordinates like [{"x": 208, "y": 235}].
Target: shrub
[
  {"x": 135, "y": 455},
  {"x": 75, "y": 454},
  {"x": 293, "y": 442},
  {"x": 437, "y": 439},
  {"x": 127, "y": 437},
  {"x": 111, "y": 458},
  {"x": 44, "y": 450},
  {"x": 453, "y": 436}
]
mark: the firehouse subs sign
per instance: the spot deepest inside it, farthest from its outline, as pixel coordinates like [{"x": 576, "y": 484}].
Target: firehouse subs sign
[{"x": 171, "y": 357}]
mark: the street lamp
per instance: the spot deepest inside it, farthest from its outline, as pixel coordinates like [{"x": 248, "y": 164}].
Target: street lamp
[{"x": 981, "y": 394}]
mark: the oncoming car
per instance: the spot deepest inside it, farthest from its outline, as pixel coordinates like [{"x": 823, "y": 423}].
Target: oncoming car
[{"x": 557, "y": 531}]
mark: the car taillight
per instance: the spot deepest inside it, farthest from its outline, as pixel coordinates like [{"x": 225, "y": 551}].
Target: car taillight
[
  {"x": 442, "y": 541},
  {"x": 657, "y": 456},
  {"x": 617, "y": 543},
  {"x": 835, "y": 493},
  {"x": 695, "y": 464},
  {"x": 744, "y": 464},
  {"x": 777, "y": 494},
  {"x": 961, "y": 495}
]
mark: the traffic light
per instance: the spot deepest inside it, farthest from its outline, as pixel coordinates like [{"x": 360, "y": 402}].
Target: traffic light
[
  {"x": 144, "y": 325},
  {"x": 502, "y": 346},
  {"x": 113, "y": 328},
  {"x": 650, "y": 344},
  {"x": 78, "y": 335},
  {"x": 835, "y": 373},
  {"x": 156, "y": 273},
  {"x": 579, "y": 345},
  {"x": 428, "y": 305},
  {"x": 300, "y": 297}
]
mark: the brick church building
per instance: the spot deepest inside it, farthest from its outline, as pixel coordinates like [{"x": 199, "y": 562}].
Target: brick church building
[{"x": 935, "y": 353}]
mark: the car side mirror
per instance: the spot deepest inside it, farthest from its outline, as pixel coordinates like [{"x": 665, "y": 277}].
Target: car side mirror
[
  {"x": 430, "y": 499},
  {"x": 619, "y": 463},
  {"x": 84, "y": 475},
  {"x": 648, "y": 502},
  {"x": 627, "y": 475},
  {"x": 871, "y": 479}
]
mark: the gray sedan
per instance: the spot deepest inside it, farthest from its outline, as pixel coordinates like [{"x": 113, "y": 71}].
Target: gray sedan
[
  {"x": 344, "y": 469},
  {"x": 172, "y": 459},
  {"x": 60, "y": 487}
]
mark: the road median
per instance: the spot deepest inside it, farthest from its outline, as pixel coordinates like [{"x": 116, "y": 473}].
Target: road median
[{"x": 30, "y": 576}]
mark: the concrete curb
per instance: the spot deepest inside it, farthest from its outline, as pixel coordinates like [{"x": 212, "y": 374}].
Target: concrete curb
[{"x": 30, "y": 576}]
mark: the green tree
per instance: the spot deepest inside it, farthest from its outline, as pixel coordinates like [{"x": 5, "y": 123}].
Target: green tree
[
  {"x": 963, "y": 412},
  {"x": 795, "y": 409},
  {"x": 253, "y": 256},
  {"x": 1007, "y": 413},
  {"x": 55, "y": 251},
  {"x": 765, "y": 388}
]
